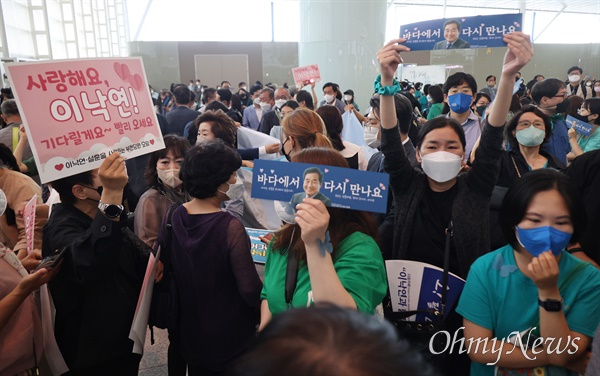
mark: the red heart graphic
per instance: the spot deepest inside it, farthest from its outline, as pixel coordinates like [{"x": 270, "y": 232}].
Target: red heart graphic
[
  {"x": 136, "y": 81},
  {"x": 151, "y": 142},
  {"x": 59, "y": 166},
  {"x": 122, "y": 70}
]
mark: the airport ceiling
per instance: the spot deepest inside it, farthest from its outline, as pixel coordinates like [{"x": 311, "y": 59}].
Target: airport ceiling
[{"x": 567, "y": 6}]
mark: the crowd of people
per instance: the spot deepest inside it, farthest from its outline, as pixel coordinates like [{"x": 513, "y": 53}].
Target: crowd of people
[{"x": 492, "y": 185}]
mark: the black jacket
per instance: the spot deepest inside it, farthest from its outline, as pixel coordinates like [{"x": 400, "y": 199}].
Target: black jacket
[{"x": 97, "y": 288}]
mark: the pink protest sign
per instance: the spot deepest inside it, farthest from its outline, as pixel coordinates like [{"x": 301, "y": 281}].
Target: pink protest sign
[
  {"x": 77, "y": 112},
  {"x": 29, "y": 219},
  {"x": 303, "y": 75}
]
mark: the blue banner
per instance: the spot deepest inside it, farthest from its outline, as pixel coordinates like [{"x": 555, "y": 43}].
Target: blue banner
[
  {"x": 335, "y": 186},
  {"x": 258, "y": 249},
  {"x": 581, "y": 127},
  {"x": 460, "y": 33}
]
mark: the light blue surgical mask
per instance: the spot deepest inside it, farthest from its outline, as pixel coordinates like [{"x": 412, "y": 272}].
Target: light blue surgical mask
[
  {"x": 530, "y": 136},
  {"x": 541, "y": 239},
  {"x": 460, "y": 102}
]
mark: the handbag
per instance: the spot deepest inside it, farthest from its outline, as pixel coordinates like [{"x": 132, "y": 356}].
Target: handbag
[
  {"x": 420, "y": 333},
  {"x": 164, "y": 308},
  {"x": 499, "y": 192}
]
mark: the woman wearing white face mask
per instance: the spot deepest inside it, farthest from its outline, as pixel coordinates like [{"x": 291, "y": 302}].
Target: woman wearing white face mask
[
  {"x": 162, "y": 175},
  {"x": 427, "y": 204}
]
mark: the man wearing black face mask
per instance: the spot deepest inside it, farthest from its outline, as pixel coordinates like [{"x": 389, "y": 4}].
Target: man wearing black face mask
[
  {"x": 550, "y": 96},
  {"x": 97, "y": 288}
]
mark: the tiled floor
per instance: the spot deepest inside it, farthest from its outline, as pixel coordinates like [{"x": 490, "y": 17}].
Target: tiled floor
[{"x": 154, "y": 361}]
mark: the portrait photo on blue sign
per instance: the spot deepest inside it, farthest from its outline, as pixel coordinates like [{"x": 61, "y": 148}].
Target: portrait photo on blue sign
[
  {"x": 460, "y": 32},
  {"x": 336, "y": 187}
]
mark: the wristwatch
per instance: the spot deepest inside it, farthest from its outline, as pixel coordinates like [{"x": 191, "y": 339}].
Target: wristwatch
[
  {"x": 551, "y": 305},
  {"x": 110, "y": 210}
]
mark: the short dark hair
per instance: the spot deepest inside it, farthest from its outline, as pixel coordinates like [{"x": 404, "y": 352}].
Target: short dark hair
[
  {"x": 224, "y": 94},
  {"x": 64, "y": 186},
  {"x": 490, "y": 76},
  {"x": 291, "y": 104},
  {"x": 404, "y": 110},
  {"x": 181, "y": 94},
  {"x": 514, "y": 121},
  {"x": 441, "y": 122},
  {"x": 242, "y": 83},
  {"x": 270, "y": 91},
  {"x": 224, "y": 82},
  {"x": 457, "y": 79},
  {"x": 593, "y": 106},
  {"x": 222, "y": 126},
  {"x": 546, "y": 88},
  {"x": 436, "y": 94},
  {"x": 208, "y": 94},
  {"x": 519, "y": 196},
  {"x": 9, "y": 108},
  {"x": 450, "y": 22},
  {"x": 330, "y": 340},
  {"x": 314, "y": 170},
  {"x": 208, "y": 165},
  {"x": 177, "y": 144},
  {"x": 255, "y": 88},
  {"x": 479, "y": 95},
  {"x": 575, "y": 68},
  {"x": 333, "y": 86},
  {"x": 306, "y": 97}
]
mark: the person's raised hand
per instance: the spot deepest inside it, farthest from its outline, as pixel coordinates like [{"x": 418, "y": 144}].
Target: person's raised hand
[
  {"x": 113, "y": 172},
  {"x": 349, "y": 107},
  {"x": 33, "y": 281},
  {"x": 572, "y": 133},
  {"x": 313, "y": 218},
  {"x": 520, "y": 52},
  {"x": 389, "y": 58},
  {"x": 22, "y": 133}
]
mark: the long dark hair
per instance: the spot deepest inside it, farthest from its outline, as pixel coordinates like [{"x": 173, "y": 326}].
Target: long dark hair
[
  {"x": 342, "y": 222},
  {"x": 333, "y": 122},
  {"x": 8, "y": 158}
]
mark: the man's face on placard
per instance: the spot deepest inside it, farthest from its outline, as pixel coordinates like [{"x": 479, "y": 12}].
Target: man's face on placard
[
  {"x": 311, "y": 184},
  {"x": 451, "y": 32}
]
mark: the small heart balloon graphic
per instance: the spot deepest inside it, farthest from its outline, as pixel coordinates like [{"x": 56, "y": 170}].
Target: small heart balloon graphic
[
  {"x": 59, "y": 166},
  {"x": 272, "y": 171},
  {"x": 122, "y": 71},
  {"x": 136, "y": 81},
  {"x": 261, "y": 170},
  {"x": 151, "y": 142}
]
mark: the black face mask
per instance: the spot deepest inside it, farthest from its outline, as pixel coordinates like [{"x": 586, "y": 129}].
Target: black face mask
[
  {"x": 581, "y": 118},
  {"x": 99, "y": 190},
  {"x": 286, "y": 155},
  {"x": 563, "y": 107},
  {"x": 480, "y": 110}
]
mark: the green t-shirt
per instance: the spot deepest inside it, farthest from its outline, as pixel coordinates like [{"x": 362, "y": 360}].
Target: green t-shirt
[
  {"x": 31, "y": 167},
  {"x": 589, "y": 143},
  {"x": 435, "y": 110},
  {"x": 499, "y": 297},
  {"x": 359, "y": 266}
]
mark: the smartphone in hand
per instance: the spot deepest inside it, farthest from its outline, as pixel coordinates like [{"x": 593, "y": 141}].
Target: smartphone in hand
[{"x": 52, "y": 260}]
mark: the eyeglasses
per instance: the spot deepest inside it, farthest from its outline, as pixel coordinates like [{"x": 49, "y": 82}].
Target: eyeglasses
[{"x": 527, "y": 124}]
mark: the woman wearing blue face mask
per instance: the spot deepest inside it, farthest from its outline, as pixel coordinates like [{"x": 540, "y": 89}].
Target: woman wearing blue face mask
[
  {"x": 428, "y": 202},
  {"x": 533, "y": 285}
]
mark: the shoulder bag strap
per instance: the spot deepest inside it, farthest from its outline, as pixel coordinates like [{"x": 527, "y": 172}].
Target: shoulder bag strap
[
  {"x": 515, "y": 164},
  {"x": 291, "y": 273},
  {"x": 449, "y": 234}
]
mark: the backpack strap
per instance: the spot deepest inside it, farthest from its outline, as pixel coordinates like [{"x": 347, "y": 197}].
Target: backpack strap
[{"x": 166, "y": 259}]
